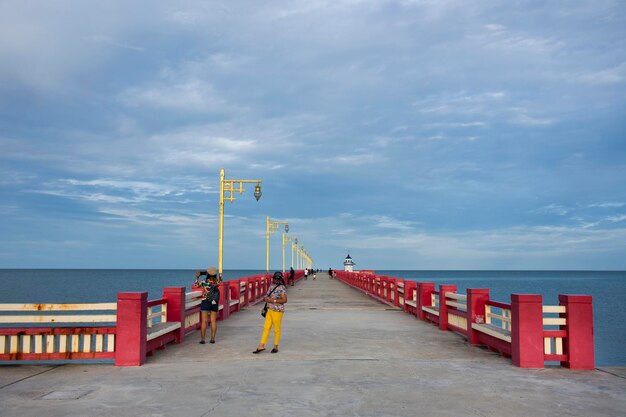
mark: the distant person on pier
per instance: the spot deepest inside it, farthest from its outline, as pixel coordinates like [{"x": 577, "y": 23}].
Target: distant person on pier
[
  {"x": 276, "y": 298},
  {"x": 210, "y": 301},
  {"x": 292, "y": 275},
  {"x": 306, "y": 273},
  {"x": 330, "y": 273}
]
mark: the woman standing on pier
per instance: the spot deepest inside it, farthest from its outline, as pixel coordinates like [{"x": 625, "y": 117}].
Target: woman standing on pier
[
  {"x": 276, "y": 298},
  {"x": 210, "y": 301}
]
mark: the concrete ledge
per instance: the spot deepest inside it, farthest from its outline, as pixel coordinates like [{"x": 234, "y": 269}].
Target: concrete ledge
[{"x": 159, "y": 329}]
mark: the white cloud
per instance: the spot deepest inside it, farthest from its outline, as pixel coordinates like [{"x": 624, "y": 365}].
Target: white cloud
[
  {"x": 613, "y": 75},
  {"x": 607, "y": 204},
  {"x": 527, "y": 120},
  {"x": 108, "y": 41},
  {"x": 386, "y": 222},
  {"x": 409, "y": 245},
  {"x": 455, "y": 125},
  {"x": 461, "y": 103},
  {"x": 116, "y": 192},
  {"x": 616, "y": 219},
  {"x": 135, "y": 186},
  {"x": 553, "y": 209},
  {"x": 146, "y": 217},
  {"x": 502, "y": 39},
  {"x": 189, "y": 95},
  {"x": 275, "y": 167},
  {"x": 354, "y": 160},
  {"x": 495, "y": 28},
  {"x": 204, "y": 146}
]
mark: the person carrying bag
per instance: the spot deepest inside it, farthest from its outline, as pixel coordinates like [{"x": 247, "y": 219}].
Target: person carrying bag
[
  {"x": 275, "y": 309},
  {"x": 265, "y": 307},
  {"x": 210, "y": 305}
]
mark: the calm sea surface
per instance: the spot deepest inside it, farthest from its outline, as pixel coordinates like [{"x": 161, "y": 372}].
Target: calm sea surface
[{"x": 102, "y": 285}]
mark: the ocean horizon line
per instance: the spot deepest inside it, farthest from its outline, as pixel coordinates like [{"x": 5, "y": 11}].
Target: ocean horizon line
[{"x": 321, "y": 269}]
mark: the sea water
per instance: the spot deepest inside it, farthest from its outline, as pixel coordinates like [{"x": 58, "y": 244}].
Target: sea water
[{"x": 608, "y": 289}]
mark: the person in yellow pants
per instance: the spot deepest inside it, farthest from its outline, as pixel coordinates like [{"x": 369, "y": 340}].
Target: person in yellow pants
[{"x": 276, "y": 298}]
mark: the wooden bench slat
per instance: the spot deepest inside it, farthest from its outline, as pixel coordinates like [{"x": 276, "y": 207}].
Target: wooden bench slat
[
  {"x": 58, "y": 307},
  {"x": 492, "y": 330},
  {"x": 99, "y": 318},
  {"x": 431, "y": 310},
  {"x": 159, "y": 329},
  {"x": 460, "y": 306}
]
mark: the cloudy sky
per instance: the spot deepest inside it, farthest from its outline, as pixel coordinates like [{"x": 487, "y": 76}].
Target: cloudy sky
[{"x": 415, "y": 134}]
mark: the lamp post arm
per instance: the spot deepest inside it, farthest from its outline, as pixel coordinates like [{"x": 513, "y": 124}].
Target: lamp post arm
[
  {"x": 270, "y": 228},
  {"x": 228, "y": 187}
]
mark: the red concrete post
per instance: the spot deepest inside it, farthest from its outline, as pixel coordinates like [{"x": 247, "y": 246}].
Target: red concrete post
[
  {"x": 409, "y": 286},
  {"x": 399, "y": 281},
  {"x": 527, "y": 330},
  {"x": 443, "y": 307},
  {"x": 175, "y": 297},
  {"x": 253, "y": 289},
  {"x": 224, "y": 301},
  {"x": 131, "y": 328},
  {"x": 235, "y": 286},
  {"x": 424, "y": 297},
  {"x": 386, "y": 289},
  {"x": 579, "y": 328},
  {"x": 227, "y": 298},
  {"x": 476, "y": 298},
  {"x": 246, "y": 291},
  {"x": 391, "y": 286}
]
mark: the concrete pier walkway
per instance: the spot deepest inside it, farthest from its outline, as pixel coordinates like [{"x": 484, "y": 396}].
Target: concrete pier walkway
[{"x": 342, "y": 354}]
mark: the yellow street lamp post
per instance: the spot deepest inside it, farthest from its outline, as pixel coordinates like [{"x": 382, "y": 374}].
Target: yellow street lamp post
[
  {"x": 285, "y": 241},
  {"x": 294, "y": 244},
  {"x": 230, "y": 187},
  {"x": 269, "y": 230},
  {"x": 307, "y": 261},
  {"x": 298, "y": 253}
]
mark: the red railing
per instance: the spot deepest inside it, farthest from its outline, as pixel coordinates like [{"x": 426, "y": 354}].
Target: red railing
[
  {"x": 35, "y": 332},
  {"x": 525, "y": 330},
  {"x": 131, "y": 329}
]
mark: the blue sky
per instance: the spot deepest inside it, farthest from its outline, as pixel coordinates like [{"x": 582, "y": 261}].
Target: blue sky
[{"x": 415, "y": 134}]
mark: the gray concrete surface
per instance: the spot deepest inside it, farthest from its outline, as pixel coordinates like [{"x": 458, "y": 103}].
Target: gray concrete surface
[{"x": 342, "y": 354}]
